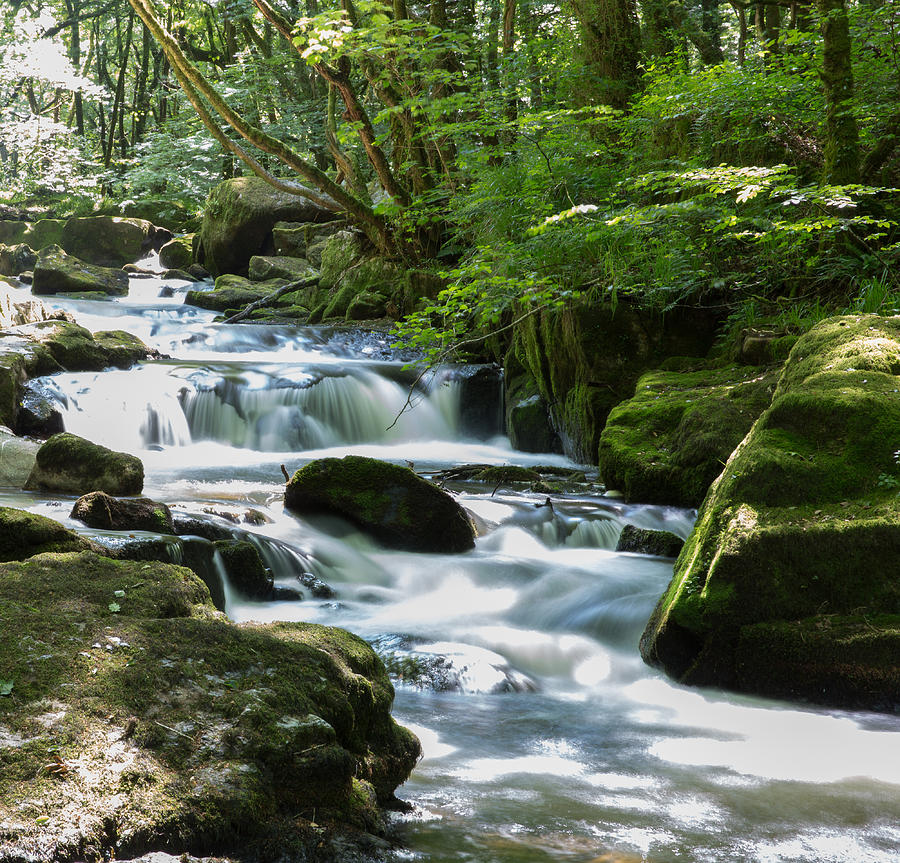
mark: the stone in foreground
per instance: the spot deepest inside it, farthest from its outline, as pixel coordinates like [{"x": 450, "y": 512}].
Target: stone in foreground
[
  {"x": 101, "y": 510},
  {"x": 139, "y": 718},
  {"x": 391, "y": 503},
  {"x": 71, "y": 464},
  {"x": 788, "y": 585}
]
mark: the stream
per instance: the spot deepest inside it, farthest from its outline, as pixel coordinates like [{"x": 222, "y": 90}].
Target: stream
[{"x": 546, "y": 738}]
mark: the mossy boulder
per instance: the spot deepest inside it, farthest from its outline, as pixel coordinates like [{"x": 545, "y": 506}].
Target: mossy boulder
[
  {"x": 391, "y": 503},
  {"x": 177, "y": 254},
  {"x": 661, "y": 543},
  {"x": 71, "y": 464},
  {"x": 667, "y": 443},
  {"x": 24, "y": 534},
  {"x": 57, "y": 272},
  {"x": 304, "y": 239},
  {"x": 238, "y": 220},
  {"x": 265, "y": 267},
  {"x": 107, "y": 241},
  {"x": 164, "y": 213},
  {"x": 586, "y": 359},
  {"x": 801, "y": 533},
  {"x": 101, "y": 510},
  {"x": 232, "y": 292},
  {"x": 139, "y": 718},
  {"x": 77, "y": 349},
  {"x": 16, "y": 259}
]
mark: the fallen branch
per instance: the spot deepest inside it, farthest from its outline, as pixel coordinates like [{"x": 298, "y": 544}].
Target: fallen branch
[{"x": 268, "y": 299}]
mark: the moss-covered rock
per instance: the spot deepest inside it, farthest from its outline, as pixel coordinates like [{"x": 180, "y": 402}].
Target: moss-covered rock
[
  {"x": 802, "y": 524},
  {"x": 142, "y": 719},
  {"x": 122, "y": 349},
  {"x": 57, "y": 272},
  {"x": 238, "y": 221},
  {"x": 71, "y": 464},
  {"x": 668, "y": 442},
  {"x": 232, "y": 292},
  {"x": 162, "y": 212},
  {"x": 391, "y": 503},
  {"x": 101, "y": 510},
  {"x": 586, "y": 359},
  {"x": 76, "y": 349},
  {"x": 16, "y": 259},
  {"x": 24, "y": 534},
  {"x": 366, "y": 306},
  {"x": 264, "y": 267},
  {"x": 304, "y": 239},
  {"x": 177, "y": 254},
  {"x": 639, "y": 540},
  {"x": 107, "y": 241}
]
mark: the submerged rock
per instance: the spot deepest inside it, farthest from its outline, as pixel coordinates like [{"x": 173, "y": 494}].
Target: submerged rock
[
  {"x": 661, "y": 543},
  {"x": 787, "y": 586},
  {"x": 669, "y": 441},
  {"x": 393, "y": 504},
  {"x": 101, "y": 510},
  {"x": 172, "y": 727},
  {"x": 71, "y": 464},
  {"x": 57, "y": 272}
]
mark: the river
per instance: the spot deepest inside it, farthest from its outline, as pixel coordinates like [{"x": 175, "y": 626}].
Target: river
[{"x": 546, "y": 737}]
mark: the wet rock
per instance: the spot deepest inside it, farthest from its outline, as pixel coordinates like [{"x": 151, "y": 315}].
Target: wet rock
[
  {"x": 391, "y": 503},
  {"x": 232, "y": 292},
  {"x": 316, "y": 586},
  {"x": 107, "y": 241},
  {"x": 177, "y": 254},
  {"x": 57, "y": 272},
  {"x": 480, "y": 400},
  {"x": 16, "y": 259},
  {"x": 71, "y": 464},
  {"x": 246, "y": 570},
  {"x": 668, "y": 442},
  {"x": 199, "y": 272},
  {"x": 179, "y": 274},
  {"x": 23, "y": 534},
  {"x": 198, "y": 731},
  {"x": 17, "y": 457},
  {"x": 122, "y": 349},
  {"x": 193, "y": 525},
  {"x": 304, "y": 239},
  {"x": 238, "y": 220},
  {"x": 787, "y": 585},
  {"x": 661, "y": 543},
  {"x": 366, "y": 306},
  {"x": 20, "y": 358},
  {"x": 39, "y": 410},
  {"x": 101, "y": 510}
]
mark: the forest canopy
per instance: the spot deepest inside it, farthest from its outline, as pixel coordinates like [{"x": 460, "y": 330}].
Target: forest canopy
[{"x": 734, "y": 154}]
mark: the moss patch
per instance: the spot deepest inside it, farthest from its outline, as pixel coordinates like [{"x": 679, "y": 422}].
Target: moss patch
[{"x": 668, "y": 442}]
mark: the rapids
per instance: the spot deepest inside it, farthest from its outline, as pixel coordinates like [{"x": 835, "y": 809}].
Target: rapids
[{"x": 545, "y": 736}]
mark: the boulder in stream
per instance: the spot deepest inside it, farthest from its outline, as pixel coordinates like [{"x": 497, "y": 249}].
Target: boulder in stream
[
  {"x": 787, "y": 586},
  {"x": 24, "y": 534},
  {"x": 71, "y": 464},
  {"x": 661, "y": 543},
  {"x": 101, "y": 510},
  {"x": 149, "y": 720},
  {"x": 177, "y": 254},
  {"x": 57, "y": 272},
  {"x": 107, "y": 241},
  {"x": 391, "y": 503}
]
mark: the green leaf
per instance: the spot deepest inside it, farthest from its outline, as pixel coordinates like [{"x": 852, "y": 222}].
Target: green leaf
[
  {"x": 114, "y": 607},
  {"x": 6, "y": 687}
]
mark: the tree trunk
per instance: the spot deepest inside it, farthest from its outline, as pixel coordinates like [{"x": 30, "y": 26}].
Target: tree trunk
[{"x": 841, "y": 143}]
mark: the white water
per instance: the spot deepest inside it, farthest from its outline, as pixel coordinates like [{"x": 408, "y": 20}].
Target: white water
[{"x": 554, "y": 742}]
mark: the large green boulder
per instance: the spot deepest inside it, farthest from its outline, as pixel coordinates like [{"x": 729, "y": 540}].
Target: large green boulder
[
  {"x": 178, "y": 253},
  {"x": 788, "y": 584},
  {"x": 101, "y": 510},
  {"x": 77, "y": 349},
  {"x": 107, "y": 241},
  {"x": 73, "y": 465},
  {"x": 587, "y": 358},
  {"x": 391, "y": 503},
  {"x": 135, "y": 717},
  {"x": 668, "y": 442},
  {"x": 238, "y": 221},
  {"x": 57, "y": 272},
  {"x": 24, "y": 534}
]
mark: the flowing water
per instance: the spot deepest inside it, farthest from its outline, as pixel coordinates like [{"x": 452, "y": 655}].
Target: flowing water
[{"x": 545, "y": 736}]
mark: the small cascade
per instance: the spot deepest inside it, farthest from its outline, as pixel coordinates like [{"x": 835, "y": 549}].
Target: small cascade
[
  {"x": 595, "y": 533},
  {"x": 318, "y": 410}
]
